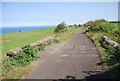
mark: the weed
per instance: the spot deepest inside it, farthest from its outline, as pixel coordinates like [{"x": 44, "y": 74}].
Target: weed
[
  {"x": 112, "y": 55},
  {"x": 56, "y": 41},
  {"x": 22, "y": 58},
  {"x": 41, "y": 47}
]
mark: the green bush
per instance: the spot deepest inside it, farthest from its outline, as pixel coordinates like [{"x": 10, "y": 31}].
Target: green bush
[
  {"x": 101, "y": 21},
  {"x": 20, "y": 59},
  {"x": 94, "y": 23},
  {"x": 79, "y": 25},
  {"x": 23, "y": 57},
  {"x": 49, "y": 43},
  {"x": 116, "y": 33},
  {"x": 56, "y": 41},
  {"x": 29, "y": 50},
  {"x": 99, "y": 26},
  {"x": 41, "y": 47},
  {"x": 6, "y": 66},
  {"x": 75, "y": 25},
  {"x": 112, "y": 55},
  {"x": 61, "y": 28},
  {"x": 104, "y": 27}
]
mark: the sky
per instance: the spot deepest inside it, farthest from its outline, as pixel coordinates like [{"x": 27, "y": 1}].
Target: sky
[
  {"x": 15, "y": 14},
  {"x": 59, "y": 0}
]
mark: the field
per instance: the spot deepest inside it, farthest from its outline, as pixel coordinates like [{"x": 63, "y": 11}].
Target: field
[{"x": 18, "y": 39}]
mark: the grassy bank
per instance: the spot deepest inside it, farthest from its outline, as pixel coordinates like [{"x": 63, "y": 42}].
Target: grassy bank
[
  {"x": 109, "y": 55},
  {"x": 18, "y": 39}
]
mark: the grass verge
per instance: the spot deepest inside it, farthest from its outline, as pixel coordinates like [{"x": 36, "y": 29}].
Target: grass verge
[
  {"x": 20, "y": 71},
  {"x": 63, "y": 37},
  {"x": 109, "y": 55}
]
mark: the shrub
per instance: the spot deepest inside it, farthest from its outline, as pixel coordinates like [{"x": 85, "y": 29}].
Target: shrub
[
  {"x": 104, "y": 27},
  {"x": 79, "y": 25},
  {"x": 6, "y": 66},
  {"x": 61, "y": 28},
  {"x": 99, "y": 26},
  {"x": 94, "y": 23},
  {"x": 116, "y": 33},
  {"x": 101, "y": 21},
  {"x": 112, "y": 55},
  {"x": 75, "y": 25},
  {"x": 56, "y": 41},
  {"x": 41, "y": 47},
  {"x": 49, "y": 43},
  {"x": 23, "y": 57}
]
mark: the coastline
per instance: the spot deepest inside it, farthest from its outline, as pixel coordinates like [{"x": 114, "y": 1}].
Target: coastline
[{"x": 20, "y": 29}]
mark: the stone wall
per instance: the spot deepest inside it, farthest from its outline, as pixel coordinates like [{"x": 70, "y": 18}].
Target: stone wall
[
  {"x": 44, "y": 41},
  {"x": 110, "y": 42},
  {"x": 47, "y": 40}
]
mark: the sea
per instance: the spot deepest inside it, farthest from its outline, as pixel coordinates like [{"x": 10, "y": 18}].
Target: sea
[{"x": 17, "y": 29}]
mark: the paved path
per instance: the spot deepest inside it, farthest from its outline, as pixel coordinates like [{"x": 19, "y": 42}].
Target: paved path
[{"x": 77, "y": 58}]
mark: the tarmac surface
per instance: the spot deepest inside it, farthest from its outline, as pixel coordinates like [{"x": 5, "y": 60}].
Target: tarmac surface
[{"x": 78, "y": 58}]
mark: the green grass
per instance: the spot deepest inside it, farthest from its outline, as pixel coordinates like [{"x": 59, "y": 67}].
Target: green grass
[
  {"x": 96, "y": 36},
  {"x": 66, "y": 35},
  {"x": 18, "y": 39},
  {"x": 114, "y": 38},
  {"x": 19, "y": 72}
]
